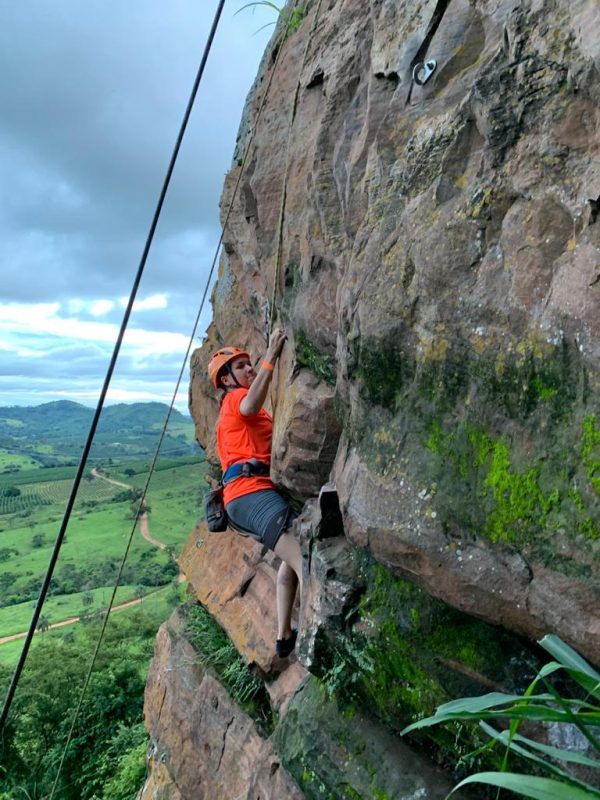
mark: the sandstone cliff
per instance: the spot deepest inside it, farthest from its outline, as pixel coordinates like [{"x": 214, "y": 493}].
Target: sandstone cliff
[{"x": 434, "y": 253}]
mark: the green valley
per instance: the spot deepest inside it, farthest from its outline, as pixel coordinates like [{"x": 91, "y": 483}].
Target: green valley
[
  {"x": 39, "y": 453},
  {"x": 34, "y": 490}
]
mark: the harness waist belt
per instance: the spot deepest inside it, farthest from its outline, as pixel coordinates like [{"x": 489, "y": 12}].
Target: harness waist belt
[{"x": 245, "y": 469}]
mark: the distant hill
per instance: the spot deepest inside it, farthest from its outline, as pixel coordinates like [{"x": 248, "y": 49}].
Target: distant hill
[{"x": 54, "y": 433}]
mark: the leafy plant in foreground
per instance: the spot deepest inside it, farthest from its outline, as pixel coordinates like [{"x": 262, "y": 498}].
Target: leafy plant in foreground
[{"x": 547, "y": 707}]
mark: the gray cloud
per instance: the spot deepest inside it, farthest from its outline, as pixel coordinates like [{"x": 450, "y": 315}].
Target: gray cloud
[
  {"x": 92, "y": 97},
  {"x": 60, "y": 363}
]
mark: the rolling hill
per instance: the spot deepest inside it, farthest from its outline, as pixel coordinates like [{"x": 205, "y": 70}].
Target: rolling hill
[{"x": 54, "y": 433}]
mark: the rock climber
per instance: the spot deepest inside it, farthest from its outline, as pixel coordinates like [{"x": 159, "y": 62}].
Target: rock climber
[{"x": 253, "y": 504}]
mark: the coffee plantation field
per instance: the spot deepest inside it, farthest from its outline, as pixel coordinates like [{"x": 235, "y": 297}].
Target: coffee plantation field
[
  {"x": 101, "y": 522},
  {"x": 46, "y": 493}
]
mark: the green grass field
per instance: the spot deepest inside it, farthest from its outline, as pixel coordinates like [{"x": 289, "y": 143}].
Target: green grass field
[
  {"x": 12, "y": 423},
  {"x": 17, "y": 618},
  {"x": 158, "y": 605},
  {"x": 48, "y": 492},
  {"x": 10, "y": 652},
  {"x": 92, "y": 540},
  {"x": 174, "y": 496},
  {"x": 10, "y": 460},
  {"x": 95, "y": 539},
  {"x": 35, "y": 475}
]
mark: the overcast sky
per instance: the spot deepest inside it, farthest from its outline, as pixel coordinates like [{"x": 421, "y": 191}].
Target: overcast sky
[{"x": 91, "y": 99}]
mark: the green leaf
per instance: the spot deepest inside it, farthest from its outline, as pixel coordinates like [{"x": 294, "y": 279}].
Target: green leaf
[
  {"x": 464, "y": 708},
  {"x": 556, "y": 752},
  {"x": 487, "y": 707},
  {"x": 580, "y": 720},
  {"x": 515, "y": 742},
  {"x": 530, "y": 786},
  {"x": 259, "y": 3},
  {"x": 577, "y": 666}
]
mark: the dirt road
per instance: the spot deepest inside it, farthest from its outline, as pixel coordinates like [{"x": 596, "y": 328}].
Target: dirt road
[
  {"x": 96, "y": 474},
  {"x": 143, "y": 518},
  {"x": 144, "y": 530},
  {"x": 72, "y": 620}
]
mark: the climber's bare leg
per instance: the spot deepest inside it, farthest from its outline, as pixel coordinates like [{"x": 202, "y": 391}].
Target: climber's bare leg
[
  {"x": 289, "y": 578},
  {"x": 287, "y": 583}
]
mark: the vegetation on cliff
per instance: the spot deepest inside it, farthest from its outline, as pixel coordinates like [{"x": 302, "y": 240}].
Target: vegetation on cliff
[
  {"x": 106, "y": 760},
  {"x": 572, "y": 774},
  {"x": 217, "y": 652}
]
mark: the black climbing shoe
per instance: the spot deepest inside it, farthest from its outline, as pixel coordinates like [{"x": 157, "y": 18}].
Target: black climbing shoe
[{"x": 283, "y": 647}]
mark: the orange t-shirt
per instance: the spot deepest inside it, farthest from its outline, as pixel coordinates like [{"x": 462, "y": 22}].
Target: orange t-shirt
[{"x": 240, "y": 438}]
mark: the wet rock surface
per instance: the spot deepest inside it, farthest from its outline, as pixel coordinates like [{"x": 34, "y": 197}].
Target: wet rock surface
[{"x": 335, "y": 754}]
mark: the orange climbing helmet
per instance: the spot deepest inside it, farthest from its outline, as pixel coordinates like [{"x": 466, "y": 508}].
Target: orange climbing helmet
[{"x": 221, "y": 358}]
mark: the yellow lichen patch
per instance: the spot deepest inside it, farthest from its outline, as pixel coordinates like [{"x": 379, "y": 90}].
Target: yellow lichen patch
[
  {"x": 535, "y": 346},
  {"x": 434, "y": 349},
  {"x": 460, "y": 181},
  {"x": 479, "y": 341},
  {"x": 478, "y": 207},
  {"x": 500, "y": 364},
  {"x": 480, "y": 344},
  {"x": 382, "y": 436}
]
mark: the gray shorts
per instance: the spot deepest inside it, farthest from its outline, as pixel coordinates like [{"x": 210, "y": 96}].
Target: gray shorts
[{"x": 264, "y": 515}]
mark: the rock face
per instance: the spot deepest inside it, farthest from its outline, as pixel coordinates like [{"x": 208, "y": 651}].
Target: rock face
[
  {"x": 205, "y": 747},
  {"x": 438, "y": 275},
  {"x": 433, "y": 250},
  {"x": 234, "y": 583}
]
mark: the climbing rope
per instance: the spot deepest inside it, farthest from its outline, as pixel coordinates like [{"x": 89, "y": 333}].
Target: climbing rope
[
  {"x": 87, "y": 447},
  {"x": 172, "y": 404},
  {"x": 294, "y": 109}
]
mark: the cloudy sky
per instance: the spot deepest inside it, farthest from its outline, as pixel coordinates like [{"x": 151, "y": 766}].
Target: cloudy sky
[{"x": 91, "y": 99}]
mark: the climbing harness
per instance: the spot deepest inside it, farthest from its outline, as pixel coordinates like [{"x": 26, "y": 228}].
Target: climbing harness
[
  {"x": 245, "y": 469},
  {"x": 423, "y": 71},
  {"x": 213, "y": 501}
]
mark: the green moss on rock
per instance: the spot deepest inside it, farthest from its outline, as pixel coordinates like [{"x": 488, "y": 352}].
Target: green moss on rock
[
  {"x": 384, "y": 372},
  {"x": 402, "y": 653},
  {"x": 590, "y": 450},
  {"x": 524, "y": 505},
  {"x": 508, "y": 438},
  {"x": 308, "y": 355},
  {"x": 334, "y": 757},
  {"x": 517, "y": 384}
]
